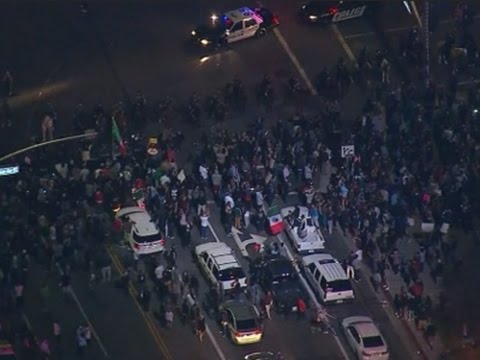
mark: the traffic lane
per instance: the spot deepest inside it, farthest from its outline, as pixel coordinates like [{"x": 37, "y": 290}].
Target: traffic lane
[
  {"x": 180, "y": 340},
  {"x": 159, "y": 45},
  {"x": 116, "y": 320},
  {"x": 284, "y": 334},
  {"x": 58, "y": 307},
  {"x": 366, "y": 302}
]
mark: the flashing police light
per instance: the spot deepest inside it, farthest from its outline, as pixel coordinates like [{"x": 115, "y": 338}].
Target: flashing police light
[{"x": 9, "y": 170}]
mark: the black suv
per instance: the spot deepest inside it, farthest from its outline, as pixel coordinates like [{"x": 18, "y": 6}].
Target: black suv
[{"x": 277, "y": 274}]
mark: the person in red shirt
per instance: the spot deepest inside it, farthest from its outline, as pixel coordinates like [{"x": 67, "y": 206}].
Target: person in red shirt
[{"x": 301, "y": 308}]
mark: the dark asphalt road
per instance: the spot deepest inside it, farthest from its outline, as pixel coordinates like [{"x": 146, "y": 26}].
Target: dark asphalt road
[{"x": 62, "y": 56}]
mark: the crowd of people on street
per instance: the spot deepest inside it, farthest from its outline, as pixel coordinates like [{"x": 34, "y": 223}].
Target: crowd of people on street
[{"x": 416, "y": 162}]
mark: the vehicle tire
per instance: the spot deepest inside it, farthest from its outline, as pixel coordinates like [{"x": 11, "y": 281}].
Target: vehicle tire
[{"x": 260, "y": 33}]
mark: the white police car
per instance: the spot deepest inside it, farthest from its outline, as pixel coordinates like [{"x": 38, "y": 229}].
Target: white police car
[{"x": 235, "y": 25}]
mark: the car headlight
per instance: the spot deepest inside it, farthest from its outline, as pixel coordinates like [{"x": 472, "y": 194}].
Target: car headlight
[
  {"x": 204, "y": 42},
  {"x": 304, "y": 7},
  {"x": 194, "y": 33},
  {"x": 313, "y": 17}
]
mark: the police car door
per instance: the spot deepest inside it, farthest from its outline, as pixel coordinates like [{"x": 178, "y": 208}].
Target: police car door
[
  {"x": 236, "y": 32},
  {"x": 349, "y": 14},
  {"x": 250, "y": 28}
]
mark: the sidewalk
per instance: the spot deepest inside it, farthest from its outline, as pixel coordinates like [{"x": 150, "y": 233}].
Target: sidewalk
[{"x": 407, "y": 249}]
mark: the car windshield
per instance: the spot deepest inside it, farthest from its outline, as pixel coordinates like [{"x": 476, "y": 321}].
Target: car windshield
[
  {"x": 372, "y": 341},
  {"x": 231, "y": 274},
  {"x": 146, "y": 238},
  {"x": 247, "y": 324},
  {"x": 339, "y": 285}
]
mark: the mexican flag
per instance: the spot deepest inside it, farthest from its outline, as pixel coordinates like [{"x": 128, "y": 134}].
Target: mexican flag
[
  {"x": 117, "y": 138},
  {"x": 275, "y": 220}
]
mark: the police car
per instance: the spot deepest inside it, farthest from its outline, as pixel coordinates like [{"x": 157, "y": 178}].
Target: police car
[
  {"x": 233, "y": 26},
  {"x": 327, "y": 12}
]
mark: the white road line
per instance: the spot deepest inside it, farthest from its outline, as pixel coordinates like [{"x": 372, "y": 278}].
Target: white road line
[
  {"x": 217, "y": 239},
  {"x": 94, "y": 332},
  {"x": 295, "y": 61},
  {"x": 215, "y": 343},
  {"x": 219, "y": 351},
  {"x": 342, "y": 42},
  {"x": 417, "y": 14}
]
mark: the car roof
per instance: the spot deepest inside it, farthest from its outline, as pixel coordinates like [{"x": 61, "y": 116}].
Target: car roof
[
  {"x": 130, "y": 210},
  {"x": 213, "y": 246},
  {"x": 240, "y": 14},
  {"x": 328, "y": 265},
  {"x": 142, "y": 223},
  {"x": 226, "y": 261},
  {"x": 279, "y": 265},
  {"x": 363, "y": 324},
  {"x": 242, "y": 310}
]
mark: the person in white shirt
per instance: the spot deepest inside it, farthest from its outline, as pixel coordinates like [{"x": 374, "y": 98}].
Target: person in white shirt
[
  {"x": 203, "y": 172},
  {"x": 229, "y": 201},
  {"x": 159, "y": 272},
  {"x": 203, "y": 225}
]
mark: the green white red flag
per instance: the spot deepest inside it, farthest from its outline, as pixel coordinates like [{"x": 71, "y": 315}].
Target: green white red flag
[{"x": 118, "y": 139}]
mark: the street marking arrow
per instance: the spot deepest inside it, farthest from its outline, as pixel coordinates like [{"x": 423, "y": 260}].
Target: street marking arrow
[{"x": 243, "y": 240}]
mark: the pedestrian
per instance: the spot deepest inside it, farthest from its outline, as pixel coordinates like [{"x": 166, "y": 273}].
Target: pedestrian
[
  {"x": 169, "y": 317},
  {"x": 268, "y": 303},
  {"x": 57, "y": 332},
  {"x": 19, "y": 294},
  {"x": 203, "y": 225},
  {"x": 301, "y": 308},
  {"x": 200, "y": 327},
  {"x": 136, "y": 259},
  {"x": 144, "y": 298},
  {"x": 224, "y": 323},
  {"x": 8, "y": 81},
  {"x": 45, "y": 349},
  {"x": 106, "y": 267},
  {"x": 81, "y": 342}
]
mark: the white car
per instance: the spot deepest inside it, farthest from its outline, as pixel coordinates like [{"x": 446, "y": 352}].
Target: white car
[
  {"x": 305, "y": 236},
  {"x": 221, "y": 267},
  {"x": 140, "y": 231},
  {"x": 235, "y": 25},
  {"x": 365, "y": 338}
]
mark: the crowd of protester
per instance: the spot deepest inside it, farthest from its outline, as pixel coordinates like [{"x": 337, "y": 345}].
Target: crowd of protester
[{"x": 421, "y": 168}]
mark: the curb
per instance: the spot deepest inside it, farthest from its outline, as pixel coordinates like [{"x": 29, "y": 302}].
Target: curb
[{"x": 411, "y": 334}]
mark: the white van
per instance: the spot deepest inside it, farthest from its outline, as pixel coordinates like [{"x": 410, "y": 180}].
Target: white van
[
  {"x": 140, "y": 232},
  {"x": 328, "y": 278}
]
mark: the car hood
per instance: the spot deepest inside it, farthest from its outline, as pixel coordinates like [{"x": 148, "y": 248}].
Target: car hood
[
  {"x": 287, "y": 291},
  {"x": 208, "y": 32}
]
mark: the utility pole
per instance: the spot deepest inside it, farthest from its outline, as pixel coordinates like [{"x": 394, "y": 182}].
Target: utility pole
[{"x": 426, "y": 30}]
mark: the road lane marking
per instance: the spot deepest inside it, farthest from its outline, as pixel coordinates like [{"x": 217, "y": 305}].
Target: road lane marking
[
  {"x": 217, "y": 239},
  {"x": 304, "y": 282},
  {"x": 417, "y": 14},
  {"x": 215, "y": 343},
  {"x": 84, "y": 314},
  {"x": 343, "y": 43},
  {"x": 146, "y": 316},
  {"x": 295, "y": 61}
]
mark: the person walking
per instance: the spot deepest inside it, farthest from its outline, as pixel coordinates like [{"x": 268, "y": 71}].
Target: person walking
[
  {"x": 301, "y": 308},
  {"x": 169, "y": 317},
  {"x": 45, "y": 349},
  {"x": 267, "y": 304},
  {"x": 57, "y": 332},
  {"x": 203, "y": 225},
  {"x": 200, "y": 327},
  {"x": 8, "y": 83}
]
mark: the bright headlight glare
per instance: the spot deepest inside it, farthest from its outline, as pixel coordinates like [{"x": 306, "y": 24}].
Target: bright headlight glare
[
  {"x": 204, "y": 42},
  {"x": 312, "y": 17},
  {"x": 194, "y": 33}
]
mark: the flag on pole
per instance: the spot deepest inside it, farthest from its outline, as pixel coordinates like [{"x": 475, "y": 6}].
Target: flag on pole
[{"x": 118, "y": 138}]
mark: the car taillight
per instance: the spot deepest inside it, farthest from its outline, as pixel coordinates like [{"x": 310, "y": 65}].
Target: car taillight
[
  {"x": 136, "y": 246},
  {"x": 275, "y": 20},
  {"x": 162, "y": 242},
  {"x": 333, "y": 10},
  {"x": 258, "y": 332}
]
